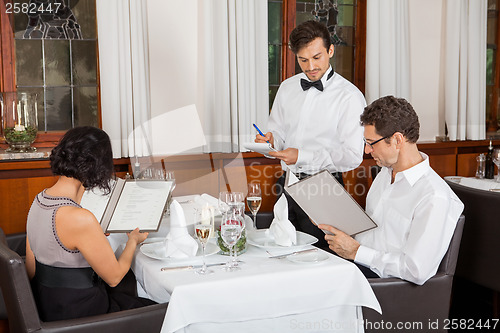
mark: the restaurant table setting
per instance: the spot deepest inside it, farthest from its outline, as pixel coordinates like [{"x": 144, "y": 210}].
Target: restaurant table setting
[
  {"x": 275, "y": 288},
  {"x": 478, "y": 183}
]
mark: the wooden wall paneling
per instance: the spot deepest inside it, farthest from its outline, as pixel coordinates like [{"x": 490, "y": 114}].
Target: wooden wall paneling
[
  {"x": 444, "y": 165},
  {"x": 358, "y": 181},
  {"x": 466, "y": 164},
  {"x": 16, "y": 198},
  {"x": 193, "y": 175}
]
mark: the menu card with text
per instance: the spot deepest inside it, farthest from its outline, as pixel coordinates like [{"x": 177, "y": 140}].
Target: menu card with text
[{"x": 131, "y": 204}]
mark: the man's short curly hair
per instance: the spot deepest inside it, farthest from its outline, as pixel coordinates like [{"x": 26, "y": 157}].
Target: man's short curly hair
[
  {"x": 306, "y": 32},
  {"x": 390, "y": 115},
  {"x": 84, "y": 153}
]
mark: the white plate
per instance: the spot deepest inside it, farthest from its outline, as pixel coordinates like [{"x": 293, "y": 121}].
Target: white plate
[
  {"x": 156, "y": 251},
  {"x": 309, "y": 257},
  {"x": 259, "y": 238}
]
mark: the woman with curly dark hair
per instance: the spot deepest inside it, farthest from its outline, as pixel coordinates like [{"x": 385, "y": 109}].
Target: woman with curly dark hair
[{"x": 73, "y": 268}]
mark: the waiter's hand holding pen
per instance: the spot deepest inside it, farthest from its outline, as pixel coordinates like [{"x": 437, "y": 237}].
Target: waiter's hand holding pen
[{"x": 261, "y": 137}]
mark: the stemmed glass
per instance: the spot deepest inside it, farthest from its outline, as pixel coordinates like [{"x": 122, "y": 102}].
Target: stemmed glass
[
  {"x": 496, "y": 160},
  {"x": 204, "y": 226},
  {"x": 238, "y": 202},
  {"x": 225, "y": 199},
  {"x": 231, "y": 228},
  {"x": 169, "y": 176},
  {"x": 254, "y": 200}
]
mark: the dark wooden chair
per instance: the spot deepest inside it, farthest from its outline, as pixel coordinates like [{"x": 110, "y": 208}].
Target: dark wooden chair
[
  {"x": 23, "y": 314},
  {"x": 406, "y": 302}
]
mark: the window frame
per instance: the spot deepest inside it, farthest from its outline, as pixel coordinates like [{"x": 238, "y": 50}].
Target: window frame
[
  {"x": 492, "y": 121},
  {"x": 288, "y": 58},
  {"x": 8, "y": 77}
]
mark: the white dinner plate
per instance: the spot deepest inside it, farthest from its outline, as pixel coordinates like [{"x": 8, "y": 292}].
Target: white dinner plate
[
  {"x": 156, "y": 251},
  {"x": 308, "y": 257},
  {"x": 260, "y": 238}
]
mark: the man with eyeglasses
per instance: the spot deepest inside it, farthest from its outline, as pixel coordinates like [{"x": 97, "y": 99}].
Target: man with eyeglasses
[
  {"x": 314, "y": 121},
  {"x": 415, "y": 210}
]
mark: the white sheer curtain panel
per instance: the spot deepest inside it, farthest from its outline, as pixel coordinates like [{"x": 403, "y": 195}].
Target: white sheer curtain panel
[
  {"x": 465, "y": 69},
  {"x": 233, "y": 70},
  {"x": 124, "y": 75},
  {"x": 387, "y": 49}
]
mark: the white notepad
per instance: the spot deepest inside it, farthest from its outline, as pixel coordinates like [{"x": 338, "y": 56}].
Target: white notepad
[
  {"x": 326, "y": 201},
  {"x": 260, "y": 147}
]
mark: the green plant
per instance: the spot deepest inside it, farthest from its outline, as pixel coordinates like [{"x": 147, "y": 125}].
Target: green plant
[{"x": 13, "y": 136}]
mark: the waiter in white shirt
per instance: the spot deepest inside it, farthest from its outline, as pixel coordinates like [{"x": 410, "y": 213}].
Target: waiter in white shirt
[
  {"x": 415, "y": 210},
  {"x": 314, "y": 121}
]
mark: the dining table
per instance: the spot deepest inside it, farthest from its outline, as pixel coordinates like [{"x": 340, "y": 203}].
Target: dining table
[
  {"x": 313, "y": 291},
  {"x": 477, "y": 183}
]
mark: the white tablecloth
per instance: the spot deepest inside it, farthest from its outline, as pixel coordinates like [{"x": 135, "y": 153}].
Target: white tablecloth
[
  {"x": 266, "y": 295},
  {"x": 264, "y": 289},
  {"x": 481, "y": 184}
]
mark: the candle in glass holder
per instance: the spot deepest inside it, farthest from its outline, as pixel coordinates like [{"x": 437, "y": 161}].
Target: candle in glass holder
[{"x": 19, "y": 128}]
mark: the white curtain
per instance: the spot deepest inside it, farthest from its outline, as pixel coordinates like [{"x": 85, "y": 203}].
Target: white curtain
[
  {"x": 124, "y": 75},
  {"x": 234, "y": 71},
  {"x": 387, "y": 49},
  {"x": 465, "y": 69}
]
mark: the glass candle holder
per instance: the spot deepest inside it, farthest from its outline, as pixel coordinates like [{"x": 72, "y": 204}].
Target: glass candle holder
[{"x": 19, "y": 120}]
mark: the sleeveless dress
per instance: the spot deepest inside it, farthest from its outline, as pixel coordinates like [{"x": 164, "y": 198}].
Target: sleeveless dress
[{"x": 64, "y": 285}]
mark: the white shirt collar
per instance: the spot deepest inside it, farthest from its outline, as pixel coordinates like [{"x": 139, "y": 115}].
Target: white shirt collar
[{"x": 415, "y": 172}]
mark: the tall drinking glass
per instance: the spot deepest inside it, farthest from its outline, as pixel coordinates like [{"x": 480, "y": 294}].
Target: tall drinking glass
[
  {"x": 230, "y": 230},
  {"x": 496, "y": 160},
  {"x": 225, "y": 199},
  {"x": 169, "y": 176},
  {"x": 254, "y": 200},
  {"x": 204, "y": 226}
]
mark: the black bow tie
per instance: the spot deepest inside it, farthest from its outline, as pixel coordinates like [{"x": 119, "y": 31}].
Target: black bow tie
[{"x": 306, "y": 84}]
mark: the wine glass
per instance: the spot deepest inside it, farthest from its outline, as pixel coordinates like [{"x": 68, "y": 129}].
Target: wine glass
[
  {"x": 169, "y": 176},
  {"x": 496, "y": 160},
  {"x": 238, "y": 202},
  {"x": 204, "y": 226},
  {"x": 254, "y": 200},
  {"x": 230, "y": 231}
]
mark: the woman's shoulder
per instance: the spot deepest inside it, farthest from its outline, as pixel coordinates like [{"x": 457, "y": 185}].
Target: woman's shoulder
[{"x": 77, "y": 216}]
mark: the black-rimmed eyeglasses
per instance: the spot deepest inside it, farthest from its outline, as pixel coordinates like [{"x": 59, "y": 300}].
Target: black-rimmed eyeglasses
[{"x": 376, "y": 141}]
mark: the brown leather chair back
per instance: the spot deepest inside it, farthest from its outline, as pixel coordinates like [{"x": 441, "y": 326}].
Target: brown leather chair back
[
  {"x": 406, "y": 302},
  {"x": 449, "y": 263},
  {"x": 480, "y": 246},
  {"x": 23, "y": 314}
]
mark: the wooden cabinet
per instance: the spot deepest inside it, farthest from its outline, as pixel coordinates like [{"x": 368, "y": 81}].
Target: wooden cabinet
[{"x": 20, "y": 181}]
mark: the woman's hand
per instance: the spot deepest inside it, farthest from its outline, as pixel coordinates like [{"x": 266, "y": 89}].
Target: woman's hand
[{"x": 137, "y": 236}]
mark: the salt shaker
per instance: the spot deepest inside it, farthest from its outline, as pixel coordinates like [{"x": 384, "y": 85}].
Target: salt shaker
[{"x": 481, "y": 164}]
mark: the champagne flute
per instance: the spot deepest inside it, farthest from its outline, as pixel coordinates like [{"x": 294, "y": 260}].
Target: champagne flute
[
  {"x": 204, "y": 225},
  {"x": 496, "y": 160},
  {"x": 230, "y": 230},
  {"x": 169, "y": 176},
  {"x": 254, "y": 200},
  {"x": 225, "y": 199}
]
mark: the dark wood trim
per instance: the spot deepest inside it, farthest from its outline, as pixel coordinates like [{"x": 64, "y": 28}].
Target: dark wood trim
[
  {"x": 7, "y": 72},
  {"x": 493, "y": 120},
  {"x": 8, "y": 77},
  {"x": 360, "y": 46},
  {"x": 289, "y": 22}
]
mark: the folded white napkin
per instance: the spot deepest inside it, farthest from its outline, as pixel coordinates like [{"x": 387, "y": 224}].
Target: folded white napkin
[
  {"x": 205, "y": 199},
  {"x": 179, "y": 243},
  {"x": 281, "y": 228}
]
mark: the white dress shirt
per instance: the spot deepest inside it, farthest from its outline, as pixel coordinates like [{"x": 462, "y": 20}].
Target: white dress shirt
[
  {"x": 323, "y": 125},
  {"x": 416, "y": 217}
]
